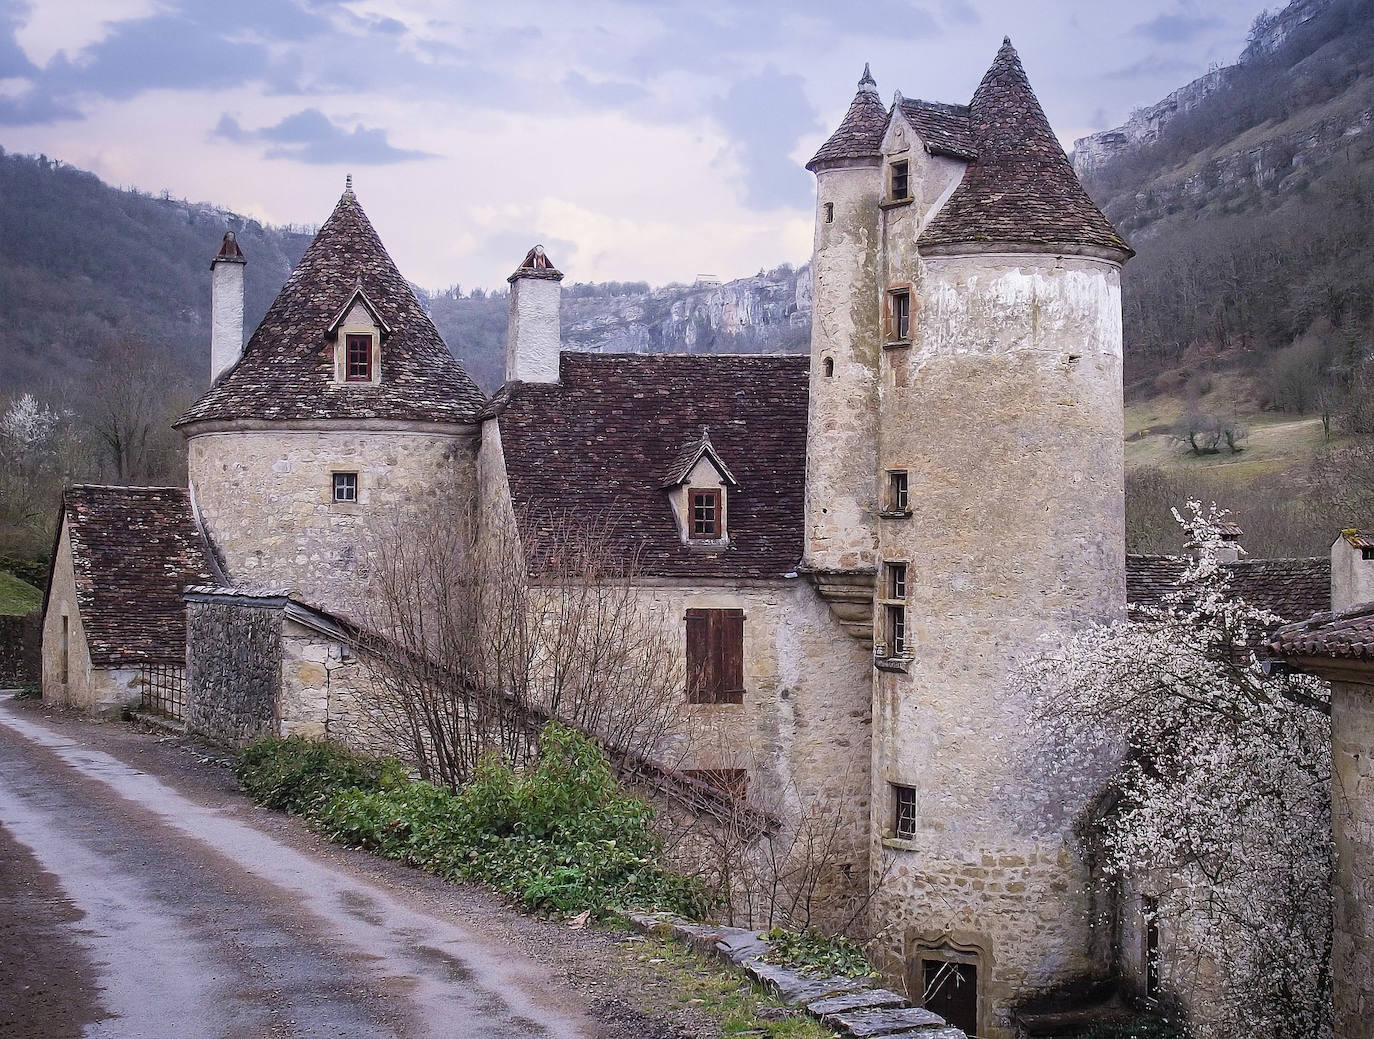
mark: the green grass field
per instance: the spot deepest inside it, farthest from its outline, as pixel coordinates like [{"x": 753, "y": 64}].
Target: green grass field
[{"x": 18, "y": 597}]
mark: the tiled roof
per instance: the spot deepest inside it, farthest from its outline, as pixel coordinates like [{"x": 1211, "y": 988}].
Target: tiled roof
[
  {"x": 860, "y": 134},
  {"x": 1021, "y": 190},
  {"x": 680, "y": 468},
  {"x": 287, "y": 369},
  {"x": 944, "y": 128},
  {"x": 1290, "y": 588},
  {"x": 134, "y": 550},
  {"x": 597, "y": 445},
  {"x": 1348, "y": 635}
]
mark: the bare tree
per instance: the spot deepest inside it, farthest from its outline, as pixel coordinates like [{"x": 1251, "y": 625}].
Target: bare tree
[
  {"x": 484, "y": 631},
  {"x": 134, "y": 391}
]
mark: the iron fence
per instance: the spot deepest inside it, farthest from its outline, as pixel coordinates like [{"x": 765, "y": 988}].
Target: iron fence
[{"x": 164, "y": 689}]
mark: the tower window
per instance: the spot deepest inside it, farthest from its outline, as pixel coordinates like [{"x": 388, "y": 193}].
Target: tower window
[
  {"x": 904, "y": 812},
  {"x": 829, "y": 212},
  {"x": 900, "y": 180},
  {"x": 346, "y": 487},
  {"x": 359, "y": 358},
  {"x": 705, "y": 514},
  {"x": 899, "y": 314},
  {"x": 828, "y": 366},
  {"x": 896, "y": 580},
  {"x": 895, "y": 629},
  {"x": 898, "y": 492},
  {"x": 1366, "y": 552}
]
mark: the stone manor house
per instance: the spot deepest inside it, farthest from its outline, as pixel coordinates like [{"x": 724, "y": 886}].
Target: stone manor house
[{"x": 856, "y": 547}]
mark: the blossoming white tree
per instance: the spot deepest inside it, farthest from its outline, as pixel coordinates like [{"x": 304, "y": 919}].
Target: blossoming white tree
[{"x": 1220, "y": 787}]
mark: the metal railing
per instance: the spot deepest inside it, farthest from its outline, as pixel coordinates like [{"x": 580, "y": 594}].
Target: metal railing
[{"x": 164, "y": 689}]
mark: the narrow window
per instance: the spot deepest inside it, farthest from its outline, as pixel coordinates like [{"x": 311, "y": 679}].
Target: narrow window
[
  {"x": 732, "y": 782},
  {"x": 898, "y": 495},
  {"x": 345, "y": 486},
  {"x": 901, "y": 185},
  {"x": 896, "y": 580},
  {"x": 830, "y": 212},
  {"x": 951, "y": 990},
  {"x": 828, "y": 366},
  {"x": 1149, "y": 908},
  {"x": 715, "y": 656},
  {"x": 1367, "y": 553},
  {"x": 705, "y": 514},
  {"x": 904, "y": 812},
  {"x": 66, "y": 628},
  {"x": 895, "y": 629},
  {"x": 899, "y": 314},
  {"x": 359, "y": 358}
]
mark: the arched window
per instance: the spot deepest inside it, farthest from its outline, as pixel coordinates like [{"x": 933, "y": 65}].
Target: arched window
[{"x": 828, "y": 365}]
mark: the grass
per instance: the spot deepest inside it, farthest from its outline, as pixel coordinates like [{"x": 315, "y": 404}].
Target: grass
[
  {"x": 737, "y": 1004},
  {"x": 18, "y": 597}
]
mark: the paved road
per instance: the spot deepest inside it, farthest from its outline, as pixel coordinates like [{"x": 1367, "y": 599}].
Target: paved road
[{"x": 130, "y": 908}]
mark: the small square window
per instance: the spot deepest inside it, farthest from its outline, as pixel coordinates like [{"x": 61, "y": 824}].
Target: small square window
[
  {"x": 898, "y": 492},
  {"x": 345, "y": 486},
  {"x": 358, "y": 358},
  {"x": 895, "y": 629},
  {"x": 705, "y": 517},
  {"x": 896, "y": 580},
  {"x": 904, "y": 812},
  {"x": 899, "y": 314},
  {"x": 901, "y": 181}
]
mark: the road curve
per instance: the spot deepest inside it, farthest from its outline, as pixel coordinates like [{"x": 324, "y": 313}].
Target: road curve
[{"x": 143, "y": 912}]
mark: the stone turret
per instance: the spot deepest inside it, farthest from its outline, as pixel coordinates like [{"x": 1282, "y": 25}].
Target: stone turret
[
  {"x": 226, "y": 306},
  {"x": 841, "y": 457},
  {"x": 533, "y": 335}
]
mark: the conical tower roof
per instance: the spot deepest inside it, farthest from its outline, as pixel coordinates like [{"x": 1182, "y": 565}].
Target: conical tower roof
[
  {"x": 287, "y": 368},
  {"x": 1021, "y": 189},
  {"x": 860, "y": 134}
]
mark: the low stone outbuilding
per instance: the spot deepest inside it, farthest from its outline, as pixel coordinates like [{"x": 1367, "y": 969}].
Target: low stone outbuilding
[{"x": 114, "y": 626}]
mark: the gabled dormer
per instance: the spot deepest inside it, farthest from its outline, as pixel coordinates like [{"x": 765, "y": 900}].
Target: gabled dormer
[
  {"x": 358, "y": 331},
  {"x": 699, "y": 484}
]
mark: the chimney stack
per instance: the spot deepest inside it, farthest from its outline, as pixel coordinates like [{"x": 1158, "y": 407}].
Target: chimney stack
[
  {"x": 226, "y": 307},
  {"x": 533, "y": 336},
  {"x": 1352, "y": 570}
]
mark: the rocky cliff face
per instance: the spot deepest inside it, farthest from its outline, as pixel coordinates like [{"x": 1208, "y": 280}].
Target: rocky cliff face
[
  {"x": 770, "y": 311},
  {"x": 1144, "y": 125}
]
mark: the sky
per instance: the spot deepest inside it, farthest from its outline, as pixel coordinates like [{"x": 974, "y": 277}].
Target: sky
[{"x": 634, "y": 140}]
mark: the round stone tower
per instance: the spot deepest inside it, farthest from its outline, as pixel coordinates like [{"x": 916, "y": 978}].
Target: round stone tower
[{"x": 841, "y": 457}]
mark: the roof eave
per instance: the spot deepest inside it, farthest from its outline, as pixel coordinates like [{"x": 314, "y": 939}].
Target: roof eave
[{"x": 983, "y": 247}]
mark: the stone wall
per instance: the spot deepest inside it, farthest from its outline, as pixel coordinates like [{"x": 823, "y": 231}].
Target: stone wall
[
  {"x": 72, "y": 682},
  {"x": 233, "y": 675},
  {"x": 327, "y": 690},
  {"x": 266, "y": 498},
  {"x": 17, "y": 665},
  {"x": 1352, "y": 807}
]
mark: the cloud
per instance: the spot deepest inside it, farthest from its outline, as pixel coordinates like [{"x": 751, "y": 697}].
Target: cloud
[
  {"x": 764, "y": 116},
  {"x": 33, "y": 109},
  {"x": 13, "y": 61},
  {"x": 602, "y": 93},
  {"x": 1176, "y": 28},
  {"x": 310, "y": 136}
]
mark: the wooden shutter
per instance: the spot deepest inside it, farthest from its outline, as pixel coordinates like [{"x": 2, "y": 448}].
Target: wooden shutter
[
  {"x": 699, "y": 656},
  {"x": 730, "y": 650},
  {"x": 715, "y": 656}
]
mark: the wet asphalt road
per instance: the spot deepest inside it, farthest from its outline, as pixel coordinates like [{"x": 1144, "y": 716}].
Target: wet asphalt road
[{"x": 130, "y": 908}]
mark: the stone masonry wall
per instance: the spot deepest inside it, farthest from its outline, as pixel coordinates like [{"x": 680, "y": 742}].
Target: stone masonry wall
[
  {"x": 233, "y": 675},
  {"x": 1352, "y": 807},
  {"x": 1006, "y": 411},
  {"x": 267, "y": 500},
  {"x": 80, "y": 688},
  {"x": 326, "y": 691}
]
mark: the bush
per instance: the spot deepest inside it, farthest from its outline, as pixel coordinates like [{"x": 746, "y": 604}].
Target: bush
[
  {"x": 562, "y": 838},
  {"x": 816, "y": 954}
]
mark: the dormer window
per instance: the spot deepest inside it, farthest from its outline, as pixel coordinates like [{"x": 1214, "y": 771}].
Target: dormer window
[
  {"x": 705, "y": 514},
  {"x": 359, "y": 357},
  {"x": 900, "y": 180}
]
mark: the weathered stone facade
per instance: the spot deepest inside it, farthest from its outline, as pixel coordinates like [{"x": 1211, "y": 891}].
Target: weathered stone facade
[
  {"x": 233, "y": 674},
  {"x": 1352, "y": 817},
  {"x": 69, "y": 677},
  {"x": 266, "y": 498}
]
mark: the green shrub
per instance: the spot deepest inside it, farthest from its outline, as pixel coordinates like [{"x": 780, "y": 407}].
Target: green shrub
[
  {"x": 813, "y": 953},
  {"x": 561, "y": 838},
  {"x": 296, "y": 775}
]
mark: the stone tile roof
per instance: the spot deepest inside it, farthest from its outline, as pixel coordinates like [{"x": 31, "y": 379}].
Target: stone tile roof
[
  {"x": 597, "y": 446},
  {"x": 134, "y": 550},
  {"x": 1291, "y": 588},
  {"x": 686, "y": 460},
  {"x": 287, "y": 368},
  {"x": 1021, "y": 190},
  {"x": 944, "y": 128},
  {"x": 860, "y": 133},
  {"x": 1348, "y": 635}
]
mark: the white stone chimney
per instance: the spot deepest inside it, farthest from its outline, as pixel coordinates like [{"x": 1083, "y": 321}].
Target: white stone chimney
[
  {"x": 1352, "y": 569},
  {"x": 533, "y": 335},
  {"x": 226, "y": 307}
]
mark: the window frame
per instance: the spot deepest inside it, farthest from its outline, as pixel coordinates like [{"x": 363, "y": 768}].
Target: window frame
[
  {"x": 897, "y": 578},
  {"x": 715, "y": 655},
  {"x": 903, "y": 808},
  {"x": 717, "y": 531},
  {"x": 334, "y": 486},
  {"x": 899, "y": 171},
  {"x": 828, "y": 208},
  {"x": 894, "y": 630},
  {"x": 367, "y": 341},
  {"x": 899, "y": 492},
  {"x": 899, "y": 327}
]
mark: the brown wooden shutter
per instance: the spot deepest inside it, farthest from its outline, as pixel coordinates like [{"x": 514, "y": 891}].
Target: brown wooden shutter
[
  {"x": 730, "y": 647},
  {"x": 699, "y": 656}
]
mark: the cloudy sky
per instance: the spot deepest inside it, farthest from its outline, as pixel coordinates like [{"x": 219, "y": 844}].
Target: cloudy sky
[{"x": 636, "y": 140}]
